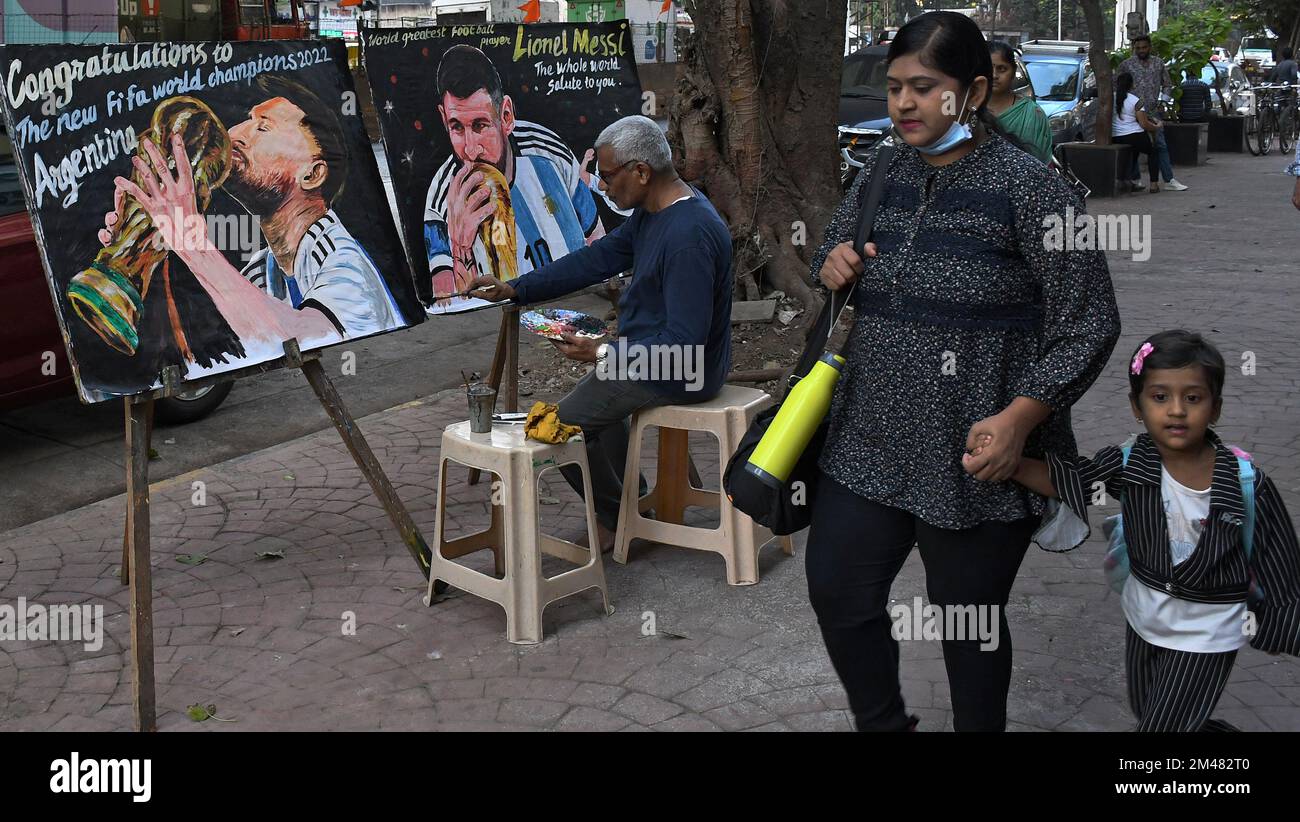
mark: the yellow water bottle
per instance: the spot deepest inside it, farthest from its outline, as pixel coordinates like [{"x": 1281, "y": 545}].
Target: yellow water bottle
[{"x": 801, "y": 412}]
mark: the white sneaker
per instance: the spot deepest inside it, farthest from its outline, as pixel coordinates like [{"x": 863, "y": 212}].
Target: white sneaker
[{"x": 1174, "y": 185}]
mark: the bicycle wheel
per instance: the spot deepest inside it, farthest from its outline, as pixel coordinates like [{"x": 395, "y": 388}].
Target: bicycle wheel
[
  {"x": 1286, "y": 132},
  {"x": 1267, "y": 130},
  {"x": 1252, "y": 133}
]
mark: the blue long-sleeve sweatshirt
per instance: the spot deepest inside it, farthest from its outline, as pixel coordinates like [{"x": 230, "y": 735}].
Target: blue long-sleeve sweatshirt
[{"x": 679, "y": 295}]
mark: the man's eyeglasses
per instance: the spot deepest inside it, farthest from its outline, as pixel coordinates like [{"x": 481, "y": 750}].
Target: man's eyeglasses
[{"x": 609, "y": 178}]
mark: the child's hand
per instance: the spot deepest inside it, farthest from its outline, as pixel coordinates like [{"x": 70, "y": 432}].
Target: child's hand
[
  {"x": 996, "y": 444},
  {"x": 968, "y": 458}
]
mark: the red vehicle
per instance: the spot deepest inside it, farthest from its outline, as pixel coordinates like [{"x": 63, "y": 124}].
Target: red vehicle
[
  {"x": 263, "y": 20},
  {"x": 29, "y": 328}
]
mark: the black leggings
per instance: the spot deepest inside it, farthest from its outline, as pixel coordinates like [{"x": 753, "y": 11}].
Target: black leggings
[
  {"x": 1142, "y": 144},
  {"x": 855, "y": 549}
]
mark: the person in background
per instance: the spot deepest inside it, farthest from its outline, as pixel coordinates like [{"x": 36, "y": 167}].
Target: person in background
[
  {"x": 1194, "y": 105},
  {"x": 1018, "y": 115},
  {"x": 1294, "y": 170},
  {"x": 1286, "y": 71},
  {"x": 1150, "y": 82},
  {"x": 1131, "y": 126}
]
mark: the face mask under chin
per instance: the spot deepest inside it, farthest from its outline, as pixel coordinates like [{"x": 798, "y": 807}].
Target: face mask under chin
[{"x": 958, "y": 132}]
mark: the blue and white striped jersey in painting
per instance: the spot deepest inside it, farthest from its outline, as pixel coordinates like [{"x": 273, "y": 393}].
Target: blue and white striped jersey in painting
[
  {"x": 555, "y": 211},
  {"x": 333, "y": 274}
]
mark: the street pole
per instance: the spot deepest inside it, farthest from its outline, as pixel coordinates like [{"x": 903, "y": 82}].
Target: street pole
[{"x": 1058, "y": 19}]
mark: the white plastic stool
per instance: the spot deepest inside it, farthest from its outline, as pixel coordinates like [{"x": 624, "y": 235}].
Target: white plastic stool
[
  {"x": 737, "y": 537},
  {"x": 514, "y": 536}
]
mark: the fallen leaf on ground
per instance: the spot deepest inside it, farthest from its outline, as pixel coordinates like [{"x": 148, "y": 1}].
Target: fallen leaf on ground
[
  {"x": 192, "y": 559},
  {"x": 202, "y": 713}
]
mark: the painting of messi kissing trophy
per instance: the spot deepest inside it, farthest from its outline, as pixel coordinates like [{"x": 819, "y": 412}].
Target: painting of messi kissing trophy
[{"x": 198, "y": 205}]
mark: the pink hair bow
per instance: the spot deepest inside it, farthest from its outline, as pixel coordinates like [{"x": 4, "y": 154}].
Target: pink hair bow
[{"x": 1141, "y": 355}]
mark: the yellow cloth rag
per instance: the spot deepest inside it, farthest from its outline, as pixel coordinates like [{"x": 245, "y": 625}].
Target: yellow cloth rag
[{"x": 543, "y": 424}]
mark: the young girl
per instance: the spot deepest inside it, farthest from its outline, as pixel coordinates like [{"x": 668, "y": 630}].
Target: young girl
[{"x": 1183, "y": 509}]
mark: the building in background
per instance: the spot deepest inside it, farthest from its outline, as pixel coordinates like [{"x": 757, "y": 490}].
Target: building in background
[
  {"x": 60, "y": 21},
  {"x": 468, "y": 12},
  {"x": 654, "y": 27}
]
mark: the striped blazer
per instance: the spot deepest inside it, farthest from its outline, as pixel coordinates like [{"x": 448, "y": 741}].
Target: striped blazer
[{"x": 1217, "y": 571}]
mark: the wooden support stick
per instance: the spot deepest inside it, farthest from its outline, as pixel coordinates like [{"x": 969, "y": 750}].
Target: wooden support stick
[
  {"x": 505, "y": 362},
  {"x": 360, "y": 450},
  {"x": 138, "y": 415},
  {"x": 510, "y": 318},
  {"x": 126, "y": 532}
]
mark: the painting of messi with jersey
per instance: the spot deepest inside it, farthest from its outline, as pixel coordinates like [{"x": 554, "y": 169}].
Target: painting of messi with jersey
[
  {"x": 512, "y": 196},
  {"x": 289, "y": 165}
]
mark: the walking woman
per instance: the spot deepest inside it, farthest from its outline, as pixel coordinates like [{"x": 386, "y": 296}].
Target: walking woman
[
  {"x": 970, "y": 327},
  {"x": 1018, "y": 116},
  {"x": 1131, "y": 126}
]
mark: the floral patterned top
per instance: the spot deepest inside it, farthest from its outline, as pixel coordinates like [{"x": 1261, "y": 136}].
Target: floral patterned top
[{"x": 967, "y": 305}]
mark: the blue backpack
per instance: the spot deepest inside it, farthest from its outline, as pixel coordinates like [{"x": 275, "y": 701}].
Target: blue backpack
[{"x": 1116, "y": 564}]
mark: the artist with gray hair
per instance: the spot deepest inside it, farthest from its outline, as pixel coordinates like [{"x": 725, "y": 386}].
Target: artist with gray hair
[{"x": 677, "y": 307}]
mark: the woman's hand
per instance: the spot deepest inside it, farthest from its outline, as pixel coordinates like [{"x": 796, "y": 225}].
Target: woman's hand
[
  {"x": 843, "y": 265},
  {"x": 994, "y": 446},
  {"x": 1295, "y": 195}
]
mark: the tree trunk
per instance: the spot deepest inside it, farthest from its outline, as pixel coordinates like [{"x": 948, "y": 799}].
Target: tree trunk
[
  {"x": 753, "y": 125},
  {"x": 1100, "y": 60}
]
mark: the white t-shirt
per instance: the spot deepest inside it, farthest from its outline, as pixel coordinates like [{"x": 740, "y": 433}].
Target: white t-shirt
[
  {"x": 1125, "y": 120},
  {"x": 1170, "y": 622}
]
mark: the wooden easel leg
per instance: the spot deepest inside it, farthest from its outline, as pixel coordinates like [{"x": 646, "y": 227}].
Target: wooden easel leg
[
  {"x": 365, "y": 458},
  {"x": 126, "y": 534},
  {"x": 511, "y": 389},
  {"x": 138, "y": 417},
  {"x": 505, "y": 363}
]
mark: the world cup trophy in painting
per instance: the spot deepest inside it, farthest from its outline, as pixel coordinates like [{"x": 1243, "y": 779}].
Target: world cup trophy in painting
[
  {"x": 498, "y": 231},
  {"x": 109, "y": 295}
]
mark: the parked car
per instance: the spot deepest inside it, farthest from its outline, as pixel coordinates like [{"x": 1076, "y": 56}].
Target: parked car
[
  {"x": 864, "y": 108},
  {"x": 1065, "y": 86},
  {"x": 30, "y": 328}
]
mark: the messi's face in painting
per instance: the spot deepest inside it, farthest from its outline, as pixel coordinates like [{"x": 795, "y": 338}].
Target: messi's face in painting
[
  {"x": 272, "y": 155},
  {"x": 479, "y": 130}
]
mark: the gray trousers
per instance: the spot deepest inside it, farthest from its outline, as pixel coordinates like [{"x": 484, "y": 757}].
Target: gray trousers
[{"x": 603, "y": 408}]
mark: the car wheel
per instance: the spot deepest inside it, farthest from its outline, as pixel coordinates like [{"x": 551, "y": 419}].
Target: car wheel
[{"x": 191, "y": 406}]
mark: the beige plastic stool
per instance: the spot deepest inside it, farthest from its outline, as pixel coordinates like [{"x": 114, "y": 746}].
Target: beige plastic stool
[
  {"x": 737, "y": 537},
  {"x": 514, "y": 537}
]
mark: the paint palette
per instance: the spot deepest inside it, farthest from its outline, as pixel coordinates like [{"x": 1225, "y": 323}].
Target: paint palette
[{"x": 552, "y": 322}]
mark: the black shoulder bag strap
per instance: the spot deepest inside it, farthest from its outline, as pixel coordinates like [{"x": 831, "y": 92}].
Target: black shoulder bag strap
[{"x": 834, "y": 305}]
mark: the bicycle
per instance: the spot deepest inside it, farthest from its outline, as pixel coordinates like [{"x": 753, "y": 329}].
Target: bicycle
[{"x": 1277, "y": 118}]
